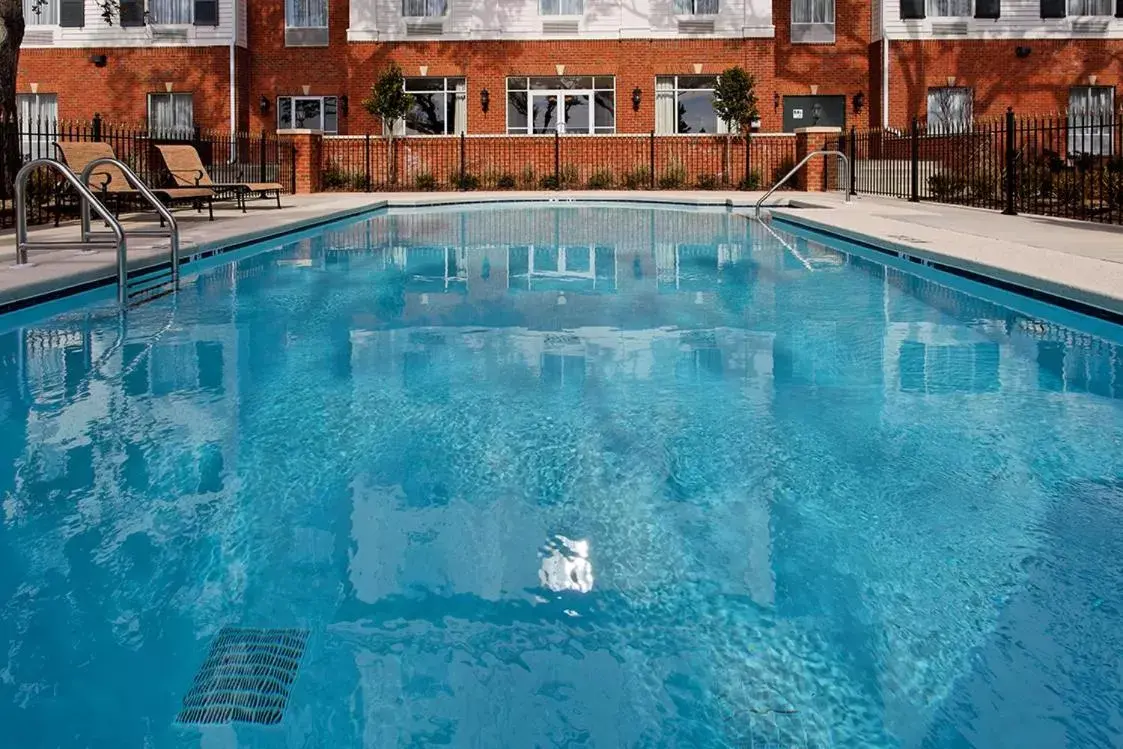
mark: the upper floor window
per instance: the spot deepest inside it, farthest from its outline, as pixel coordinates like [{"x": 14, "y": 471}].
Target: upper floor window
[
  {"x": 949, "y": 8},
  {"x": 812, "y": 21},
  {"x": 684, "y": 105},
  {"x": 311, "y": 112},
  {"x": 38, "y": 124},
  {"x": 563, "y": 104},
  {"x": 1091, "y": 7},
  {"x": 440, "y": 107},
  {"x": 307, "y": 14},
  {"x": 696, "y": 7},
  {"x": 1090, "y": 118},
  {"x": 424, "y": 8},
  {"x": 171, "y": 113},
  {"x": 169, "y": 11},
  {"x": 41, "y": 12},
  {"x": 561, "y": 7},
  {"x": 950, "y": 109}
]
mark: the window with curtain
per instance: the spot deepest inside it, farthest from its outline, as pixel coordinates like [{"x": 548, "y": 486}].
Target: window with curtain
[
  {"x": 1091, "y": 7},
  {"x": 45, "y": 15},
  {"x": 949, "y": 109},
  {"x": 696, "y": 7},
  {"x": 684, "y": 105},
  {"x": 561, "y": 7},
  {"x": 950, "y": 8},
  {"x": 1091, "y": 112},
  {"x": 419, "y": 8},
  {"x": 170, "y": 11},
  {"x": 812, "y": 20},
  {"x": 573, "y": 104},
  {"x": 38, "y": 124},
  {"x": 306, "y": 14},
  {"x": 171, "y": 114},
  {"x": 308, "y": 112},
  {"x": 440, "y": 107}
]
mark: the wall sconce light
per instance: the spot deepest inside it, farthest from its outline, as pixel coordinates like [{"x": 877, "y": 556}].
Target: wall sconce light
[
  {"x": 99, "y": 61},
  {"x": 485, "y": 100},
  {"x": 775, "y": 100},
  {"x": 859, "y": 102},
  {"x": 1022, "y": 52},
  {"x": 637, "y": 97},
  {"x": 263, "y": 104},
  {"x": 344, "y": 105}
]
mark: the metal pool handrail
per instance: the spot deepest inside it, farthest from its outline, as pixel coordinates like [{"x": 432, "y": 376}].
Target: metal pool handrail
[{"x": 796, "y": 168}]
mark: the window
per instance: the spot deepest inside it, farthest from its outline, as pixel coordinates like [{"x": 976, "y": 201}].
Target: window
[
  {"x": 169, "y": 11},
  {"x": 684, "y": 104},
  {"x": 560, "y": 7},
  {"x": 949, "y": 9},
  {"x": 1090, "y": 118},
  {"x": 171, "y": 113},
  {"x": 696, "y": 7},
  {"x": 419, "y": 8},
  {"x": 45, "y": 15},
  {"x": 1091, "y": 7},
  {"x": 306, "y": 14},
  {"x": 308, "y": 112},
  {"x": 949, "y": 109},
  {"x": 38, "y": 124},
  {"x": 564, "y": 104},
  {"x": 812, "y": 21},
  {"x": 440, "y": 107}
]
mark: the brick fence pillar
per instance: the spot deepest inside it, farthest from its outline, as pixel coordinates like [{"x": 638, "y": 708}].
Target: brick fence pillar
[
  {"x": 821, "y": 173},
  {"x": 307, "y": 158}
]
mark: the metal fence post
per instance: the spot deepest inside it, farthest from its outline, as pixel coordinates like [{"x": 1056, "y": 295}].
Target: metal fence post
[
  {"x": 1011, "y": 164},
  {"x": 262, "y": 176},
  {"x": 651, "y": 166},
  {"x": 914, "y": 163},
  {"x": 747, "y": 184},
  {"x": 292, "y": 163},
  {"x": 853, "y": 154},
  {"x": 366, "y": 159},
  {"x": 462, "y": 187},
  {"x": 557, "y": 160},
  {"x": 97, "y": 126}
]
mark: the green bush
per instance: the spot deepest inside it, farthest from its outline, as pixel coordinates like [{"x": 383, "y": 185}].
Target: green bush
[
  {"x": 1068, "y": 189},
  {"x": 985, "y": 188},
  {"x": 1113, "y": 187},
  {"x": 638, "y": 178},
  {"x": 466, "y": 181},
  {"x": 602, "y": 180},
  {"x": 1034, "y": 181},
  {"x": 781, "y": 169},
  {"x": 527, "y": 179},
  {"x": 750, "y": 182},
  {"x": 946, "y": 188},
  {"x": 505, "y": 181},
  {"x": 707, "y": 181},
  {"x": 425, "y": 182},
  {"x": 334, "y": 178},
  {"x": 672, "y": 178},
  {"x": 566, "y": 179}
]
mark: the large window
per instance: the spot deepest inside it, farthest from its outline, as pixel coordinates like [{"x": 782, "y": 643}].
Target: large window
[
  {"x": 170, "y": 11},
  {"x": 45, "y": 15},
  {"x": 308, "y": 112},
  {"x": 949, "y": 9},
  {"x": 812, "y": 20},
  {"x": 1090, "y": 118},
  {"x": 423, "y": 8},
  {"x": 306, "y": 14},
  {"x": 563, "y": 104},
  {"x": 1091, "y": 7},
  {"x": 440, "y": 107},
  {"x": 171, "y": 113},
  {"x": 949, "y": 109},
  {"x": 684, "y": 104},
  {"x": 38, "y": 124},
  {"x": 561, "y": 7},
  {"x": 696, "y": 7}
]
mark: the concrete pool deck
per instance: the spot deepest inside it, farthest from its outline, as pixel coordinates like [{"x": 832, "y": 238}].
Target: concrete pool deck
[{"x": 1078, "y": 261}]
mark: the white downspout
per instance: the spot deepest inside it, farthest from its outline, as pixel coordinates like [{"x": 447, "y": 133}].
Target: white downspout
[
  {"x": 884, "y": 72},
  {"x": 233, "y": 77}
]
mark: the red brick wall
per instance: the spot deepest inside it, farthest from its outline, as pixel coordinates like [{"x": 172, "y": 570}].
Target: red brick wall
[{"x": 1037, "y": 84}]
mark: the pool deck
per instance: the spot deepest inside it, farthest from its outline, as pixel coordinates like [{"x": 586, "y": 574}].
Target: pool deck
[{"x": 1078, "y": 261}]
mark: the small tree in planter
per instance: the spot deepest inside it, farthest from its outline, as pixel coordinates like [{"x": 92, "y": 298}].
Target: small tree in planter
[
  {"x": 389, "y": 102},
  {"x": 735, "y": 103}
]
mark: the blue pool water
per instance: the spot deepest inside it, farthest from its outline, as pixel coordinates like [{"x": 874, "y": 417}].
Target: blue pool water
[{"x": 561, "y": 476}]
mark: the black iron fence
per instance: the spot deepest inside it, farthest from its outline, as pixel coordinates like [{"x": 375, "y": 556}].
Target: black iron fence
[
  {"x": 555, "y": 162},
  {"x": 237, "y": 157},
  {"x": 1069, "y": 166}
]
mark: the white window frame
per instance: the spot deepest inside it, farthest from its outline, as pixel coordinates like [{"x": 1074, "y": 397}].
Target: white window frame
[
  {"x": 301, "y": 97},
  {"x": 661, "y": 92},
  {"x": 460, "y": 97},
  {"x": 171, "y": 96},
  {"x": 38, "y": 128},
  {"x": 427, "y": 6},
  {"x": 936, "y": 124},
  {"x": 48, "y": 14},
  {"x": 944, "y": 8},
  {"x": 290, "y": 4},
  {"x": 562, "y": 10},
  {"x": 1107, "y": 8},
  {"x": 559, "y": 92},
  {"x": 1095, "y": 130},
  {"x": 697, "y": 7},
  {"x": 820, "y": 27},
  {"x": 154, "y": 20}
]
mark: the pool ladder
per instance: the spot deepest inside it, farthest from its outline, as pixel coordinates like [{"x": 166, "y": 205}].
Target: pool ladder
[
  {"x": 133, "y": 287},
  {"x": 796, "y": 168}
]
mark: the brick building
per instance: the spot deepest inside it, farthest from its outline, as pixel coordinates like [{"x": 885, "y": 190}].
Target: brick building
[{"x": 578, "y": 66}]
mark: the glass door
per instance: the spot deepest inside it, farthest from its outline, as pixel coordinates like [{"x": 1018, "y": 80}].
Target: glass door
[{"x": 561, "y": 112}]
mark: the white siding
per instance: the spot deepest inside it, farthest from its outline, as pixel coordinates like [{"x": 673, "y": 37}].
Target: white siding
[
  {"x": 96, "y": 33},
  {"x": 1021, "y": 19},
  {"x": 381, "y": 20}
]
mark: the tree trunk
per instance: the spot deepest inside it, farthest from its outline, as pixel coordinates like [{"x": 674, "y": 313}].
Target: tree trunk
[{"x": 11, "y": 36}]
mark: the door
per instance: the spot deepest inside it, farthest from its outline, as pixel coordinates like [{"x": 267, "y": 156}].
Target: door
[{"x": 560, "y": 111}]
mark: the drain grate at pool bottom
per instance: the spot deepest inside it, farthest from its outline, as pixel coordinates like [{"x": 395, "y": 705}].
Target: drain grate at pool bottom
[{"x": 246, "y": 677}]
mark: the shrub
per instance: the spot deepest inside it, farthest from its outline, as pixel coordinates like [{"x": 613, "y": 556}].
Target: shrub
[
  {"x": 505, "y": 181},
  {"x": 751, "y": 181},
  {"x": 1068, "y": 189},
  {"x": 467, "y": 181},
  {"x": 986, "y": 188},
  {"x": 1034, "y": 181},
  {"x": 707, "y": 181},
  {"x": 946, "y": 188},
  {"x": 673, "y": 177},
  {"x": 549, "y": 182},
  {"x": 527, "y": 178},
  {"x": 638, "y": 178},
  {"x": 566, "y": 178},
  {"x": 602, "y": 180},
  {"x": 1113, "y": 188},
  {"x": 781, "y": 169},
  {"x": 425, "y": 182},
  {"x": 334, "y": 178}
]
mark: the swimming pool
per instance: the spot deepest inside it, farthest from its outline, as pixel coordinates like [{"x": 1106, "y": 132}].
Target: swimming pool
[{"x": 561, "y": 476}]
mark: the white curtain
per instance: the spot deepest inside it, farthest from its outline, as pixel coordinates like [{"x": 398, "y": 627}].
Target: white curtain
[
  {"x": 461, "y": 113},
  {"x": 38, "y": 124},
  {"x": 1091, "y": 121},
  {"x": 171, "y": 113},
  {"x": 413, "y": 8},
  {"x": 1091, "y": 7},
  {"x": 561, "y": 7},
  {"x": 665, "y": 115},
  {"x": 700, "y": 7},
  {"x": 170, "y": 11},
  {"x": 812, "y": 11},
  {"x": 306, "y": 13},
  {"x": 949, "y": 8},
  {"x": 46, "y": 15}
]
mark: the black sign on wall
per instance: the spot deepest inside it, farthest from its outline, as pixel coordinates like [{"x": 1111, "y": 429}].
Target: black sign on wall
[{"x": 814, "y": 111}]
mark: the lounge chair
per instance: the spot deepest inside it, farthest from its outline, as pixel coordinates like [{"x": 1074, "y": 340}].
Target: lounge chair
[
  {"x": 111, "y": 181},
  {"x": 187, "y": 169}
]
